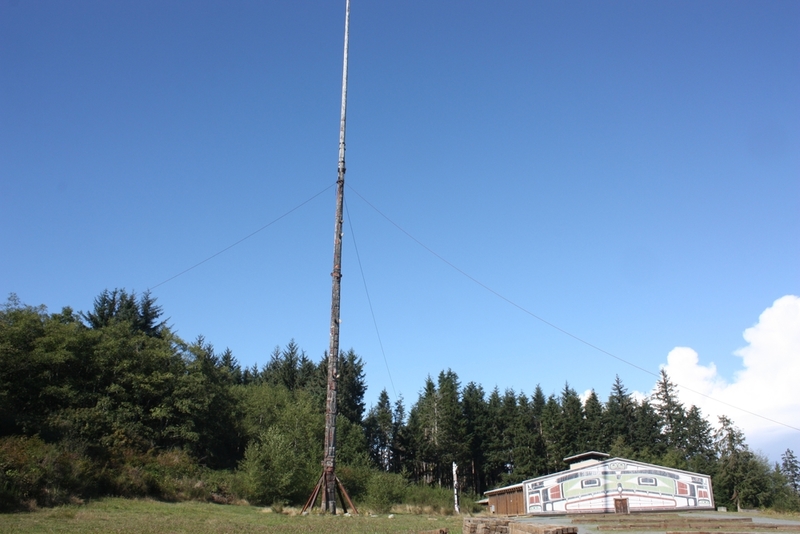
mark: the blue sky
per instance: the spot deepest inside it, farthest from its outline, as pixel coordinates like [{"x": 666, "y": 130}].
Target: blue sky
[{"x": 628, "y": 171}]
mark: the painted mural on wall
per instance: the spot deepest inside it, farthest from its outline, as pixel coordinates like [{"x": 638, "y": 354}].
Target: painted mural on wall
[{"x": 594, "y": 489}]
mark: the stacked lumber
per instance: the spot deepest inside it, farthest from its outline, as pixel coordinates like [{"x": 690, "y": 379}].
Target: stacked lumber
[
  {"x": 534, "y": 528},
  {"x": 487, "y": 525}
]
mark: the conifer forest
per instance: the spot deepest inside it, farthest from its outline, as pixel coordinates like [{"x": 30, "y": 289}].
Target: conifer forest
[{"x": 112, "y": 402}]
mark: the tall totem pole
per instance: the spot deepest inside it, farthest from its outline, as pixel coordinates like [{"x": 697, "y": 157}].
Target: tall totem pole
[{"x": 328, "y": 482}]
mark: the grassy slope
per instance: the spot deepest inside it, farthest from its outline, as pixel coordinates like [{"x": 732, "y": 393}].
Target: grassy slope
[{"x": 128, "y": 516}]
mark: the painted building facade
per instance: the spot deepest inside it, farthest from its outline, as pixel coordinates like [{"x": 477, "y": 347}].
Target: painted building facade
[{"x": 610, "y": 485}]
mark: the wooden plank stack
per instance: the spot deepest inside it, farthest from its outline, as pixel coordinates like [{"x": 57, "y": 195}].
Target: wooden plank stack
[{"x": 487, "y": 525}]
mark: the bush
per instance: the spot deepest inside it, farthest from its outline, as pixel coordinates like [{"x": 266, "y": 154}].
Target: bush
[
  {"x": 168, "y": 475},
  {"x": 385, "y": 490},
  {"x": 270, "y": 471},
  {"x": 787, "y": 502},
  {"x": 219, "y": 486},
  {"x": 468, "y": 504},
  {"x": 173, "y": 476},
  {"x": 355, "y": 480},
  {"x": 430, "y": 498},
  {"x": 35, "y": 473}
]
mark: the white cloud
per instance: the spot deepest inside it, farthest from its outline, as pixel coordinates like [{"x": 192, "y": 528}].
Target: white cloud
[{"x": 768, "y": 383}]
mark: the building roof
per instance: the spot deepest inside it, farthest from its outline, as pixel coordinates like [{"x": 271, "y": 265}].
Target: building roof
[
  {"x": 504, "y": 489},
  {"x": 591, "y": 455}
]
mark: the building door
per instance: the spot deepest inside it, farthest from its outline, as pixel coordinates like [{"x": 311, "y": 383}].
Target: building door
[{"x": 621, "y": 506}]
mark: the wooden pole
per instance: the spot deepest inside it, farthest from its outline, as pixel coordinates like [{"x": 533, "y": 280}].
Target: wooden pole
[
  {"x": 455, "y": 487},
  {"x": 331, "y": 408}
]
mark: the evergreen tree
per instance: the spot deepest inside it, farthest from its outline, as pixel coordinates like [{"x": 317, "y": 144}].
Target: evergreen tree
[
  {"x": 273, "y": 372},
  {"x": 742, "y": 478},
  {"x": 289, "y": 368},
  {"x": 401, "y": 442},
  {"x": 251, "y": 375},
  {"x": 508, "y": 433},
  {"x": 379, "y": 427},
  {"x": 550, "y": 430},
  {"x": 452, "y": 442},
  {"x": 647, "y": 438},
  {"x": 790, "y": 468},
  {"x": 352, "y": 449},
  {"x": 620, "y": 417},
  {"x": 495, "y": 452},
  {"x": 437, "y": 430},
  {"x": 570, "y": 437},
  {"x": 538, "y": 402},
  {"x": 700, "y": 454},
  {"x": 215, "y": 437},
  {"x": 119, "y": 305},
  {"x": 672, "y": 413},
  {"x": 525, "y": 451},
  {"x": 728, "y": 438},
  {"x": 423, "y": 428},
  {"x": 476, "y": 419},
  {"x": 352, "y": 386},
  {"x": 593, "y": 410},
  {"x": 231, "y": 366},
  {"x": 148, "y": 315}
]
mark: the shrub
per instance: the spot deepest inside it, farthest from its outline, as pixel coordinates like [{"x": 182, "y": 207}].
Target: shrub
[
  {"x": 468, "y": 504},
  {"x": 33, "y": 472},
  {"x": 169, "y": 475},
  {"x": 220, "y": 486},
  {"x": 430, "y": 498},
  {"x": 787, "y": 501},
  {"x": 385, "y": 490},
  {"x": 270, "y": 470},
  {"x": 173, "y": 476},
  {"x": 355, "y": 480}
]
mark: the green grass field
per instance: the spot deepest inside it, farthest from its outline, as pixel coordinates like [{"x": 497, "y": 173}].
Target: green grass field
[{"x": 128, "y": 516}]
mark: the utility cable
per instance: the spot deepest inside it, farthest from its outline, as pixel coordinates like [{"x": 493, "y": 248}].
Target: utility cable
[
  {"x": 369, "y": 300},
  {"x": 248, "y": 236},
  {"x": 555, "y": 327}
]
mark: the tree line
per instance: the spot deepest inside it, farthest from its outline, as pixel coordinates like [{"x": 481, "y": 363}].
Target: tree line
[{"x": 112, "y": 402}]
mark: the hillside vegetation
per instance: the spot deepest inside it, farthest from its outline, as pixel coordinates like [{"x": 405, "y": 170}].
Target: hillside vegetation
[{"x": 111, "y": 402}]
